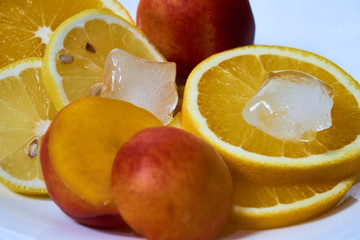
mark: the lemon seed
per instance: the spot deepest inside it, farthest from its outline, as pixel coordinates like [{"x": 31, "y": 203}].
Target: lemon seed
[
  {"x": 65, "y": 58},
  {"x": 32, "y": 149},
  {"x": 90, "y": 48},
  {"x": 95, "y": 90}
]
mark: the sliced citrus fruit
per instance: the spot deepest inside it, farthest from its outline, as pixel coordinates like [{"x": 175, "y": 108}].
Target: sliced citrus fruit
[
  {"x": 27, "y": 26},
  {"x": 218, "y": 89},
  {"x": 75, "y": 56},
  {"x": 26, "y": 111},
  {"x": 259, "y": 206},
  {"x": 176, "y": 121}
]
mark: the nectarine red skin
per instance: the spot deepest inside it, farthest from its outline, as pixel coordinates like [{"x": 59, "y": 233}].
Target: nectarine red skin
[
  {"x": 73, "y": 206},
  {"x": 186, "y": 32},
  {"x": 170, "y": 184}
]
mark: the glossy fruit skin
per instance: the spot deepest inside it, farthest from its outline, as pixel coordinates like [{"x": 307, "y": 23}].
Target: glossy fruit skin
[
  {"x": 170, "y": 184},
  {"x": 187, "y": 32},
  {"x": 85, "y": 136}
]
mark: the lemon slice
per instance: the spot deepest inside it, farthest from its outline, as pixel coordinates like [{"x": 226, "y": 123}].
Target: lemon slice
[
  {"x": 176, "y": 121},
  {"x": 26, "y": 111},
  {"x": 26, "y": 27},
  {"x": 218, "y": 89},
  {"x": 268, "y": 206},
  {"x": 75, "y": 56}
]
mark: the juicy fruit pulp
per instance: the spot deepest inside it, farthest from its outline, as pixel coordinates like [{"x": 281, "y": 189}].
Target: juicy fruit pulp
[
  {"x": 277, "y": 182},
  {"x": 26, "y": 27},
  {"x": 26, "y": 111},
  {"x": 147, "y": 84},
  {"x": 169, "y": 184},
  {"x": 78, "y": 152},
  {"x": 212, "y": 109},
  {"x": 75, "y": 56},
  {"x": 269, "y": 206},
  {"x": 187, "y": 32},
  {"x": 343, "y": 131}
]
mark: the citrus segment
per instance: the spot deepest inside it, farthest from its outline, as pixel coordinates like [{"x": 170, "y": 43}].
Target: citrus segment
[
  {"x": 75, "y": 56},
  {"x": 26, "y": 111},
  {"x": 259, "y": 206},
  {"x": 218, "y": 89},
  {"x": 26, "y": 27}
]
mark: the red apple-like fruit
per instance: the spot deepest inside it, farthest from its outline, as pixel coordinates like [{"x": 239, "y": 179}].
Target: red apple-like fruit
[
  {"x": 187, "y": 32},
  {"x": 169, "y": 184}
]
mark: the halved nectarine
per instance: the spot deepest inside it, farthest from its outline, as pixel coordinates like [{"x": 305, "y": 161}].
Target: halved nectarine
[{"x": 78, "y": 151}]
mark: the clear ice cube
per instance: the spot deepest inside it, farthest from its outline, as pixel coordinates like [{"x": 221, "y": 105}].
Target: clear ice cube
[
  {"x": 291, "y": 105},
  {"x": 146, "y": 84}
]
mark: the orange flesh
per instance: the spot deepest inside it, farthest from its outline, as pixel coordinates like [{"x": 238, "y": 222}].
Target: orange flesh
[
  {"x": 18, "y": 33},
  {"x": 248, "y": 194},
  {"x": 87, "y": 67},
  {"x": 221, "y": 104}
]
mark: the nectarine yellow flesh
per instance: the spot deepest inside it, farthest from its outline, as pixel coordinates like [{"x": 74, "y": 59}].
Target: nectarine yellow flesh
[{"x": 83, "y": 140}]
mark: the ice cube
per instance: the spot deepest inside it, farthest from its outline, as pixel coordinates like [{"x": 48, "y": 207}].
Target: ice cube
[
  {"x": 291, "y": 105},
  {"x": 146, "y": 84}
]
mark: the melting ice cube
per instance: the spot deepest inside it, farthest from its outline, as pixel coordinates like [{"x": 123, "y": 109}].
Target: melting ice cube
[
  {"x": 291, "y": 105},
  {"x": 147, "y": 84}
]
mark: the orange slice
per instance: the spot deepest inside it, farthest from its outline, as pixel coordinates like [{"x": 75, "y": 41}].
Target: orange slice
[
  {"x": 257, "y": 206},
  {"x": 218, "y": 89},
  {"x": 26, "y": 27},
  {"x": 268, "y": 206}
]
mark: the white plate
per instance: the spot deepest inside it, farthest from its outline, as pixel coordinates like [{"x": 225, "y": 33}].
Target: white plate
[{"x": 329, "y": 28}]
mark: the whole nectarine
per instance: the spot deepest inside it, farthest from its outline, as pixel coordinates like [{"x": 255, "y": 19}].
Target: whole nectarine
[
  {"x": 78, "y": 151},
  {"x": 169, "y": 184},
  {"x": 187, "y": 32}
]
